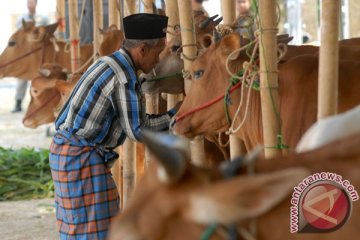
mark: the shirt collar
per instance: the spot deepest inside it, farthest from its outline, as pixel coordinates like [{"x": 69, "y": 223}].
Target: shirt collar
[{"x": 128, "y": 57}]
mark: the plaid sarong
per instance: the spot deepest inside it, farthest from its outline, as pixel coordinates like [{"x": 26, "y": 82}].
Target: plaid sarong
[{"x": 86, "y": 197}]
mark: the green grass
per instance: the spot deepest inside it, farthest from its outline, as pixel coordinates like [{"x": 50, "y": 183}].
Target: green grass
[{"x": 25, "y": 174}]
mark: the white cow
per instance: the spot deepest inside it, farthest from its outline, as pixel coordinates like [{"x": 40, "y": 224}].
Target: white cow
[{"x": 330, "y": 129}]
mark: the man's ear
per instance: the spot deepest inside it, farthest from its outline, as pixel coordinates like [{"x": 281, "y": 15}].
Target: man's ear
[
  {"x": 144, "y": 49},
  {"x": 243, "y": 197}
]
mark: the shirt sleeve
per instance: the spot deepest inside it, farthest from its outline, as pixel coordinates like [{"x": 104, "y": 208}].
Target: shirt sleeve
[{"x": 132, "y": 114}]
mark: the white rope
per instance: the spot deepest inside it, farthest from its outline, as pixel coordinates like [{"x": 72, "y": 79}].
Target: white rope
[
  {"x": 221, "y": 144},
  {"x": 247, "y": 75},
  {"x": 86, "y": 63},
  {"x": 56, "y": 46}
]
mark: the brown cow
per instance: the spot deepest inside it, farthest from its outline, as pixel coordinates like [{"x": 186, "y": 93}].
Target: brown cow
[
  {"x": 297, "y": 95},
  {"x": 180, "y": 205},
  {"x": 44, "y": 96},
  {"x": 112, "y": 39},
  {"x": 31, "y": 46}
]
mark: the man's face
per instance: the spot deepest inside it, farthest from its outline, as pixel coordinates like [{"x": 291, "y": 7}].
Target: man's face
[
  {"x": 150, "y": 56},
  {"x": 31, "y": 4},
  {"x": 243, "y": 7}
]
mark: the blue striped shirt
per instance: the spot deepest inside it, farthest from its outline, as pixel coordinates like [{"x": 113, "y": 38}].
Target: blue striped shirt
[{"x": 107, "y": 104}]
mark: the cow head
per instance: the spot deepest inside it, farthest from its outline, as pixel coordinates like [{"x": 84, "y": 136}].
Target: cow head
[
  {"x": 170, "y": 62},
  {"x": 210, "y": 79},
  {"x": 112, "y": 39},
  {"x": 27, "y": 39},
  {"x": 44, "y": 96},
  {"x": 176, "y": 200},
  {"x": 65, "y": 88}
]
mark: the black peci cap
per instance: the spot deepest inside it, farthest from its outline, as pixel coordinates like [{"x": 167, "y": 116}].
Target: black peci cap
[{"x": 145, "y": 26}]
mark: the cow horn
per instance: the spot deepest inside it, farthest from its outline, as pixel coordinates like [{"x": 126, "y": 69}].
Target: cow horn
[
  {"x": 217, "y": 21},
  {"x": 206, "y": 22},
  {"x": 45, "y": 72},
  {"x": 217, "y": 36},
  {"x": 170, "y": 151},
  {"x": 230, "y": 168}
]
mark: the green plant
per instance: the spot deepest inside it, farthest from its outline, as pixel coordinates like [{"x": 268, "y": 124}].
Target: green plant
[{"x": 25, "y": 174}]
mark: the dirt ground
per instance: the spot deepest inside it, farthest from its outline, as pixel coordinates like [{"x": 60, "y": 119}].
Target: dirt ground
[{"x": 23, "y": 220}]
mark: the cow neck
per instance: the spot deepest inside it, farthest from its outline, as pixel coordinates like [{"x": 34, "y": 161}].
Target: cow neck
[
  {"x": 62, "y": 57},
  {"x": 251, "y": 132}
]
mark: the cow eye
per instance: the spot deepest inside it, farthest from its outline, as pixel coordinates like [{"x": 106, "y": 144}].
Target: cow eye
[
  {"x": 175, "y": 48},
  {"x": 198, "y": 74},
  {"x": 11, "y": 43}
]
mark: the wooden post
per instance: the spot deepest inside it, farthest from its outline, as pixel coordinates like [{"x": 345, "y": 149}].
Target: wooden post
[
  {"x": 228, "y": 12},
  {"x": 329, "y": 59},
  {"x": 354, "y": 14},
  {"x": 74, "y": 35},
  {"x": 130, "y": 7},
  {"x": 114, "y": 13},
  {"x": 148, "y": 6},
  {"x": 189, "y": 54},
  {"x": 60, "y": 16},
  {"x": 129, "y": 159},
  {"x": 172, "y": 11},
  {"x": 98, "y": 23},
  {"x": 269, "y": 77}
]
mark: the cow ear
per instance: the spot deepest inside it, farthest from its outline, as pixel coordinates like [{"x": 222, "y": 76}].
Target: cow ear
[
  {"x": 243, "y": 198},
  {"x": 50, "y": 29},
  {"x": 206, "y": 41},
  {"x": 230, "y": 43},
  {"x": 23, "y": 23},
  {"x": 170, "y": 151},
  {"x": 113, "y": 27}
]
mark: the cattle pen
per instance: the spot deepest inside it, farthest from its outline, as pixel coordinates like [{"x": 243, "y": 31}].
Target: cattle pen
[{"x": 266, "y": 102}]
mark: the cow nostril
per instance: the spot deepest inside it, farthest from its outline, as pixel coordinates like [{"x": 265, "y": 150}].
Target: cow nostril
[{"x": 11, "y": 43}]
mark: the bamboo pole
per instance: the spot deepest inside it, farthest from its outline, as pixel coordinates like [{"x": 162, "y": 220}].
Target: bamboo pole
[
  {"x": 129, "y": 160},
  {"x": 148, "y": 6},
  {"x": 74, "y": 35},
  {"x": 98, "y": 23},
  {"x": 228, "y": 12},
  {"x": 130, "y": 7},
  {"x": 172, "y": 11},
  {"x": 354, "y": 14},
  {"x": 60, "y": 16},
  {"x": 114, "y": 13},
  {"x": 189, "y": 54},
  {"x": 269, "y": 77},
  {"x": 329, "y": 59},
  {"x": 152, "y": 100}
]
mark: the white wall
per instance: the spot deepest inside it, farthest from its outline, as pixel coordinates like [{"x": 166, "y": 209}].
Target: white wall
[{"x": 9, "y": 8}]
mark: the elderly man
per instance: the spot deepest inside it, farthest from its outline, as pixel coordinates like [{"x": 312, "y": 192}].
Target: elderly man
[{"x": 105, "y": 107}]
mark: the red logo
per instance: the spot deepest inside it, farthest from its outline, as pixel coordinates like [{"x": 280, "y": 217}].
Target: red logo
[{"x": 325, "y": 207}]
